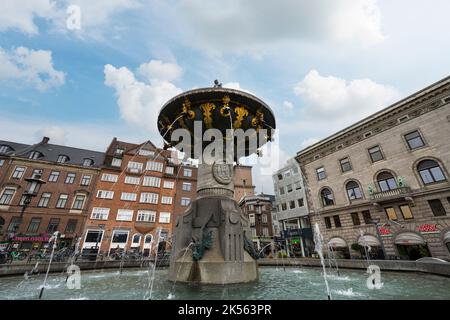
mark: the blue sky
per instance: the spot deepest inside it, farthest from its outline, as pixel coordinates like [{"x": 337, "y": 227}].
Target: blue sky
[{"x": 321, "y": 65}]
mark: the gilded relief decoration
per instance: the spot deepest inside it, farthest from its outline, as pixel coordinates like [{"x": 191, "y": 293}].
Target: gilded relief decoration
[
  {"x": 207, "y": 109},
  {"x": 258, "y": 120},
  {"x": 241, "y": 113},
  {"x": 187, "y": 109},
  {"x": 225, "y": 110}
]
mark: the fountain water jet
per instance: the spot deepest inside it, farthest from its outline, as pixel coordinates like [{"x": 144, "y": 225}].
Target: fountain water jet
[{"x": 318, "y": 240}]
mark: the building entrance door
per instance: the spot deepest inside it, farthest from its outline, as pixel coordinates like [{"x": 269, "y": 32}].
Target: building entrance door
[{"x": 413, "y": 252}]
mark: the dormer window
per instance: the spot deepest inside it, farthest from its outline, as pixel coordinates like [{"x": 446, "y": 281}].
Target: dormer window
[
  {"x": 5, "y": 149},
  {"x": 62, "y": 158},
  {"x": 35, "y": 155},
  {"x": 120, "y": 150},
  {"x": 88, "y": 162}
]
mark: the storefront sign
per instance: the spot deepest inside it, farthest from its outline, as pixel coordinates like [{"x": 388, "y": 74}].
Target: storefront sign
[
  {"x": 428, "y": 228},
  {"x": 385, "y": 232},
  {"x": 32, "y": 239}
]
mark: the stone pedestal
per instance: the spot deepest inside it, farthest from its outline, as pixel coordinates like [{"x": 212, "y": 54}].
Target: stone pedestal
[{"x": 209, "y": 239}]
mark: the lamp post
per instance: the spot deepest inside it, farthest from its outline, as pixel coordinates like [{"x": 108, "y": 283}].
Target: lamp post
[
  {"x": 376, "y": 222},
  {"x": 34, "y": 184}
]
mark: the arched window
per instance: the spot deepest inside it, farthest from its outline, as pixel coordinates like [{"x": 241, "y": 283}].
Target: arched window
[
  {"x": 430, "y": 171},
  {"x": 353, "y": 190},
  {"x": 88, "y": 162},
  {"x": 62, "y": 158},
  {"x": 136, "y": 241},
  {"x": 35, "y": 155},
  {"x": 327, "y": 197},
  {"x": 5, "y": 148},
  {"x": 148, "y": 239},
  {"x": 386, "y": 181}
]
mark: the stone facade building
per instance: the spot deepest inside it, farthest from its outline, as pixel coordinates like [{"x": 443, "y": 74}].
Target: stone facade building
[
  {"x": 292, "y": 209},
  {"x": 68, "y": 176},
  {"x": 258, "y": 209},
  {"x": 139, "y": 193},
  {"x": 386, "y": 178}
]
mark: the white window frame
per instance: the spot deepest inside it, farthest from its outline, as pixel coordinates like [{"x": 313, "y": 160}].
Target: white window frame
[
  {"x": 168, "y": 184},
  {"x": 187, "y": 172},
  {"x": 149, "y": 197},
  {"x": 166, "y": 215},
  {"x": 100, "y": 215},
  {"x": 134, "y": 244},
  {"x": 125, "y": 215},
  {"x": 121, "y": 245},
  {"x": 75, "y": 198},
  {"x": 21, "y": 174},
  {"x": 135, "y": 167},
  {"x": 12, "y": 196},
  {"x": 154, "y": 166},
  {"x": 187, "y": 184},
  {"x": 150, "y": 181},
  {"x": 83, "y": 178},
  {"x": 116, "y": 162},
  {"x": 109, "y": 177},
  {"x": 166, "y": 199},
  {"x": 132, "y": 180},
  {"x": 169, "y": 170},
  {"x": 183, "y": 200},
  {"x": 128, "y": 196},
  {"x": 108, "y": 194},
  {"x": 92, "y": 244},
  {"x": 143, "y": 213}
]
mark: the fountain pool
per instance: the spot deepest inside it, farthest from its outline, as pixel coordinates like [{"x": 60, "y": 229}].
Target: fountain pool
[{"x": 274, "y": 283}]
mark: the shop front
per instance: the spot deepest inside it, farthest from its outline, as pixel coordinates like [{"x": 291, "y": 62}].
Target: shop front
[
  {"x": 370, "y": 247},
  {"x": 411, "y": 246},
  {"x": 338, "y": 248}
]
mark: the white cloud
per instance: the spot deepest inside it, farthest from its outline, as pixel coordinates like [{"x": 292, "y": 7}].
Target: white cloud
[
  {"x": 252, "y": 25},
  {"x": 32, "y": 67},
  {"x": 288, "y": 105},
  {"x": 139, "y": 102},
  {"x": 20, "y": 15},
  {"x": 335, "y": 101},
  {"x": 158, "y": 70},
  {"x": 56, "y": 134}
]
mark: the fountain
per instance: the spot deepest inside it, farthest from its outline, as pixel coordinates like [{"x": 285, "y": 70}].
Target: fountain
[{"x": 207, "y": 121}]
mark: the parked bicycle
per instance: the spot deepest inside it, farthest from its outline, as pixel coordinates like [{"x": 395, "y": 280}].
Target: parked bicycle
[{"x": 16, "y": 255}]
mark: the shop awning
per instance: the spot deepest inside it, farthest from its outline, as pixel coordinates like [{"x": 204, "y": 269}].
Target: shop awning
[
  {"x": 337, "y": 243},
  {"x": 368, "y": 240},
  {"x": 447, "y": 237},
  {"x": 409, "y": 238}
]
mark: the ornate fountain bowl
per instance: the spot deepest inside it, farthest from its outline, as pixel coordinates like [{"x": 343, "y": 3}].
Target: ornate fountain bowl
[{"x": 216, "y": 108}]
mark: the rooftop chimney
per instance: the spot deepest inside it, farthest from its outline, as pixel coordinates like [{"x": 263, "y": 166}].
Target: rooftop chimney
[{"x": 45, "y": 140}]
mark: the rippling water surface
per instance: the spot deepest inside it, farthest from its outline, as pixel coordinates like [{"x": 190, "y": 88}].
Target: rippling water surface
[{"x": 274, "y": 283}]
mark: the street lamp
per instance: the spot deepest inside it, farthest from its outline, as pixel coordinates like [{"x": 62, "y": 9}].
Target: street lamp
[{"x": 34, "y": 184}]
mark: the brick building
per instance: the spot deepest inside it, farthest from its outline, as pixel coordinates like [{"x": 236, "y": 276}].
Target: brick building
[
  {"x": 60, "y": 204},
  {"x": 140, "y": 190},
  {"x": 243, "y": 182},
  {"x": 384, "y": 181}
]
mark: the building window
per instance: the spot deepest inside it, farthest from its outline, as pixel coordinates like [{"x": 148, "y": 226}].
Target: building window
[
  {"x": 99, "y": 213},
  {"x": 166, "y": 200},
  {"x": 62, "y": 158},
  {"x": 148, "y": 239},
  {"x": 71, "y": 226},
  {"x": 147, "y": 197},
  {"x": 345, "y": 165},
  {"x": 187, "y": 172},
  {"x": 53, "y": 177},
  {"x": 185, "y": 201},
  {"x": 2, "y": 162},
  {"x": 284, "y": 206},
  {"x": 254, "y": 234},
  {"x": 18, "y": 172},
  {"x": 35, "y": 155},
  {"x": 353, "y": 190},
  {"x": 128, "y": 196},
  {"x": 289, "y": 188},
  {"x": 119, "y": 236},
  {"x": 135, "y": 167},
  {"x": 187, "y": 186},
  {"x": 300, "y": 202},
  {"x": 327, "y": 222},
  {"x": 327, "y": 197},
  {"x": 62, "y": 200},
  {"x": 78, "y": 202},
  {"x": 391, "y": 214},
  {"x": 94, "y": 236},
  {"x": 355, "y": 218},
  {"x": 292, "y": 204},
  {"x": 169, "y": 170},
  {"x": 149, "y": 181},
  {"x": 124, "y": 215},
  {"x": 414, "y": 140},
  {"x": 7, "y": 196},
  {"x": 136, "y": 240},
  {"x": 386, "y": 181},
  {"x": 132, "y": 180},
  {"x": 376, "y": 154},
  {"x": 119, "y": 151},
  {"x": 146, "y": 216},
  {"x": 168, "y": 184},
  {"x": 154, "y": 166},
  {"x": 146, "y": 153},
  {"x": 430, "y": 172},
  {"x": 4, "y": 149},
  {"x": 88, "y": 162},
  {"x": 45, "y": 198},
  {"x": 437, "y": 208},
  {"x": 281, "y": 190},
  {"x": 337, "y": 221},
  {"x": 116, "y": 162},
  {"x": 265, "y": 231},
  {"x": 70, "y": 178},
  {"x": 294, "y": 170},
  {"x": 105, "y": 194},
  {"x": 406, "y": 212},
  {"x": 280, "y": 176},
  {"x": 33, "y": 227},
  {"x": 85, "y": 180},
  {"x": 321, "y": 173},
  {"x": 298, "y": 185},
  {"x": 53, "y": 225},
  {"x": 264, "y": 218},
  {"x": 164, "y": 217},
  {"x": 251, "y": 219},
  {"x": 110, "y": 177}
]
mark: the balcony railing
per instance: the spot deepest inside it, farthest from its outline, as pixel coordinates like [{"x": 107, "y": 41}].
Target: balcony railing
[{"x": 390, "y": 194}]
